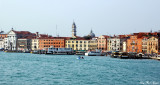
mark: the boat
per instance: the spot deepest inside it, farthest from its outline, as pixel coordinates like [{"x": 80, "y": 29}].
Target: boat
[
  {"x": 80, "y": 53},
  {"x": 115, "y": 54},
  {"x": 94, "y": 53},
  {"x": 80, "y": 57},
  {"x": 132, "y": 55},
  {"x": 59, "y": 51},
  {"x": 123, "y": 55}
]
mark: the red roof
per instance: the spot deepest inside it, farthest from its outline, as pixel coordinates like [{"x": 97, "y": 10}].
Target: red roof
[
  {"x": 106, "y": 36},
  {"x": 22, "y": 32}
]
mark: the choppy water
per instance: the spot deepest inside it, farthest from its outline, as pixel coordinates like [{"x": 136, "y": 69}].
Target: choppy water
[{"x": 33, "y": 69}]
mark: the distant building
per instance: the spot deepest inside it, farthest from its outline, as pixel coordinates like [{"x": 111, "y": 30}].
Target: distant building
[
  {"x": 35, "y": 44},
  {"x": 102, "y": 42},
  {"x": 2, "y": 36},
  {"x": 153, "y": 45},
  {"x": 144, "y": 44},
  {"x": 91, "y": 34},
  {"x": 2, "y": 39},
  {"x": 116, "y": 44},
  {"x": 124, "y": 46},
  {"x": 56, "y": 42},
  {"x": 74, "y": 34},
  {"x": 81, "y": 44},
  {"x": 134, "y": 44},
  {"x": 2, "y": 45},
  {"x": 13, "y": 36},
  {"x": 92, "y": 44},
  {"x": 24, "y": 44}
]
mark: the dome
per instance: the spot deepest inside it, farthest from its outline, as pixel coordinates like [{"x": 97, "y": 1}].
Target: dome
[{"x": 91, "y": 34}]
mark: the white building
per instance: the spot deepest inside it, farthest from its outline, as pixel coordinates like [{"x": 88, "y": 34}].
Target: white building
[
  {"x": 13, "y": 36},
  {"x": 124, "y": 46},
  {"x": 5, "y": 43},
  {"x": 35, "y": 44},
  {"x": 115, "y": 44},
  {"x": 2, "y": 40},
  {"x": 1, "y": 43},
  {"x": 11, "y": 40}
]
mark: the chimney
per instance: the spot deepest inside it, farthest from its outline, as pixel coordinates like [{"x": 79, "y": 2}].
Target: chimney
[{"x": 37, "y": 34}]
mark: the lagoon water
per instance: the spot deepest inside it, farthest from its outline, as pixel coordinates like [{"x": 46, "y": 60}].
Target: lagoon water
[{"x": 34, "y": 69}]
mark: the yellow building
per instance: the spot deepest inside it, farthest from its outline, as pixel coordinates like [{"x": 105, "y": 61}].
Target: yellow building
[
  {"x": 152, "y": 45},
  {"x": 144, "y": 44},
  {"x": 109, "y": 45},
  {"x": 92, "y": 44},
  {"x": 81, "y": 44}
]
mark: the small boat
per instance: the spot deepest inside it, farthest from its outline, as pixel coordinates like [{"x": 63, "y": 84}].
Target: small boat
[{"x": 80, "y": 57}]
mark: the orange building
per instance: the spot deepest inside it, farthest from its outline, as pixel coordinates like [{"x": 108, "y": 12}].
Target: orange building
[
  {"x": 134, "y": 44},
  {"x": 2, "y": 36},
  {"x": 56, "y": 42}
]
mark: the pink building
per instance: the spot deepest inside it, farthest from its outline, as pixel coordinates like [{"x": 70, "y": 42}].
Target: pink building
[{"x": 102, "y": 42}]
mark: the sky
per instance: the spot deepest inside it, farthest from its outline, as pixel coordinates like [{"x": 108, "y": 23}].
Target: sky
[{"x": 104, "y": 17}]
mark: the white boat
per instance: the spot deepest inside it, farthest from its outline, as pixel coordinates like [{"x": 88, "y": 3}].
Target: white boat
[
  {"x": 94, "y": 53},
  {"x": 59, "y": 50}
]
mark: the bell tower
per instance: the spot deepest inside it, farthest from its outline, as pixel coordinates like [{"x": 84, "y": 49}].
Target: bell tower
[{"x": 74, "y": 29}]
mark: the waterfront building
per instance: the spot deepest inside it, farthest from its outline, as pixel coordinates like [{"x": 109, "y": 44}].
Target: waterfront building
[
  {"x": 134, "y": 44},
  {"x": 123, "y": 43},
  {"x": 13, "y": 36},
  {"x": 2, "y": 36},
  {"x": 81, "y": 44},
  {"x": 2, "y": 40},
  {"x": 35, "y": 44},
  {"x": 124, "y": 46},
  {"x": 115, "y": 44},
  {"x": 92, "y": 44},
  {"x": 153, "y": 45},
  {"x": 47, "y": 42},
  {"x": 144, "y": 44},
  {"x": 2, "y": 44},
  {"x": 137, "y": 42},
  {"x": 11, "y": 42},
  {"x": 24, "y": 44},
  {"x": 78, "y": 44},
  {"x": 102, "y": 42}
]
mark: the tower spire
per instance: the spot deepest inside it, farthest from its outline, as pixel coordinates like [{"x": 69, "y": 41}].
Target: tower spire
[
  {"x": 74, "y": 29},
  {"x": 91, "y": 30}
]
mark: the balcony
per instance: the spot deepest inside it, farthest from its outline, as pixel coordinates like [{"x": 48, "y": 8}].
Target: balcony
[{"x": 133, "y": 43}]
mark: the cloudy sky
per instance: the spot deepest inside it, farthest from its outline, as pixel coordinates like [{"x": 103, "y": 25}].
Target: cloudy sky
[{"x": 105, "y": 17}]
